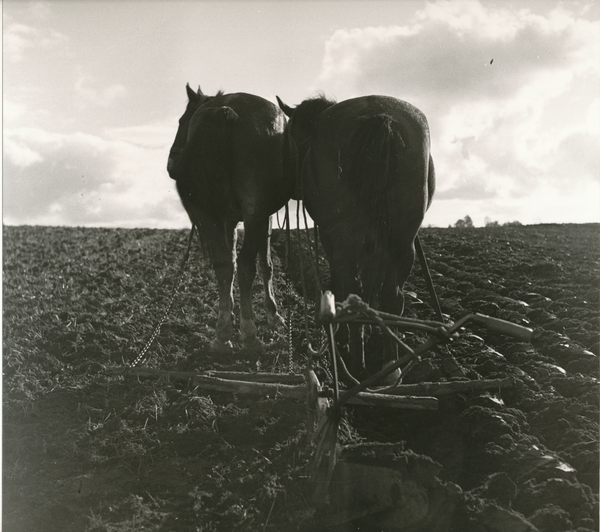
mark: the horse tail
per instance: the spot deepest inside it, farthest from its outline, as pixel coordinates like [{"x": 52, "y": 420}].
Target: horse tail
[
  {"x": 375, "y": 153},
  {"x": 208, "y": 158}
]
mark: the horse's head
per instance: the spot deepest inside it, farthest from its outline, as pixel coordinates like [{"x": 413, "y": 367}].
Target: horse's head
[
  {"x": 195, "y": 100},
  {"x": 303, "y": 120}
]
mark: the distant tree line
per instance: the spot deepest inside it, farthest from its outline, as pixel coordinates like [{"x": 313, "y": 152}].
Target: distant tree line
[{"x": 467, "y": 222}]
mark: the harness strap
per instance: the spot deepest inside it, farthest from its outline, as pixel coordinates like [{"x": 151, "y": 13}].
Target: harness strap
[{"x": 314, "y": 260}]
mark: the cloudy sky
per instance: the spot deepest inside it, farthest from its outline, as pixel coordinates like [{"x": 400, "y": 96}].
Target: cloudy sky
[{"x": 92, "y": 92}]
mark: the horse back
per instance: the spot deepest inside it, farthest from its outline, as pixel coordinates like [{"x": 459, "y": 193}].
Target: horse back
[
  {"x": 365, "y": 149},
  {"x": 260, "y": 184},
  {"x": 367, "y": 181},
  {"x": 363, "y": 122},
  {"x": 238, "y": 139}
]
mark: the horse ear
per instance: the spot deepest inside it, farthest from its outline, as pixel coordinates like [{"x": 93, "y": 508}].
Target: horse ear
[
  {"x": 200, "y": 93},
  {"x": 192, "y": 96},
  {"x": 288, "y": 111}
]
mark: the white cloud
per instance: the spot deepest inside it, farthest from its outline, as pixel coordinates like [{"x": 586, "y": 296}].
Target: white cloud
[
  {"x": 447, "y": 51},
  {"x": 19, "y": 153},
  {"x": 12, "y": 112},
  {"x": 81, "y": 179},
  {"x": 471, "y": 18},
  {"x": 40, "y": 10},
  {"x": 157, "y": 135},
  {"x": 18, "y": 38},
  {"x": 100, "y": 96},
  {"x": 514, "y": 129},
  {"x": 345, "y": 49},
  {"x": 530, "y": 209},
  {"x": 592, "y": 122}
]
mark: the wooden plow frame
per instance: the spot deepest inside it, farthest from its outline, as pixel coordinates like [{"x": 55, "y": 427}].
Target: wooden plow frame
[
  {"x": 325, "y": 404},
  {"x": 328, "y": 414}
]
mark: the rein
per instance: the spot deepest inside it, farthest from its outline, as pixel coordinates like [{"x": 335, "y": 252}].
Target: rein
[
  {"x": 144, "y": 352},
  {"x": 435, "y": 302},
  {"x": 301, "y": 261}
]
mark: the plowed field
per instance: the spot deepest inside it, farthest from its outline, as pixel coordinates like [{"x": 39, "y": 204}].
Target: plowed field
[{"x": 87, "y": 449}]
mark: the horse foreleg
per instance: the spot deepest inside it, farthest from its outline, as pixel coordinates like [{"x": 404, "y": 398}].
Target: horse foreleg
[
  {"x": 265, "y": 264},
  {"x": 254, "y": 234}
]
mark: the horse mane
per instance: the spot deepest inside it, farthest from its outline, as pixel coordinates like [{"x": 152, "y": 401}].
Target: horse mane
[
  {"x": 205, "y": 98},
  {"x": 306, "y": 113}
]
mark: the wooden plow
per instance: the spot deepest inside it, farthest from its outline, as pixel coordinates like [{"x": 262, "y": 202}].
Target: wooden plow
[
  {"x": 364, "y": 488},
  {"x": 363, "y": 483}
]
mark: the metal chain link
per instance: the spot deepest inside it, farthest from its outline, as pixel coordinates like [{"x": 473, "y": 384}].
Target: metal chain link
[
  {"x": 290, "y": 347},
  {"x": 156, "y": 331}
]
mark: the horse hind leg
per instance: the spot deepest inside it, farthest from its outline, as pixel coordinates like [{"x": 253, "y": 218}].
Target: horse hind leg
[
  {"x": 254, "y": 234},
  {"x": 265, "y": 264},
  {"x": 350, "y": 337},
  {"x": 222, "y": 246},
  {"x": 392, "y": 300}
]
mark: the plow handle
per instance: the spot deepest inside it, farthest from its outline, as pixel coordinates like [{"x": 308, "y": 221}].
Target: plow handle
[
  {"x": 327, "y": 311},
  {"x": 505, "y": 327}
]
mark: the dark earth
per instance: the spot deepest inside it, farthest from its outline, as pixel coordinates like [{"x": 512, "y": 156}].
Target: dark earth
[{"x": 88, "y": 449}]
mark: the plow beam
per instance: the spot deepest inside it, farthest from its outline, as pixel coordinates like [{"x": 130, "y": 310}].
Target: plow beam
[{"x": 249, "y": 386}]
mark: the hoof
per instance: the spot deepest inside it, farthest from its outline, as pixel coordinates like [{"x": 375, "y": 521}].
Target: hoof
[
  {"x": 253, "y": 347},
  {"x": 221, "y": 348},
  {"x": 390, "y": 379},
  {"x": 275, "y": 321}
]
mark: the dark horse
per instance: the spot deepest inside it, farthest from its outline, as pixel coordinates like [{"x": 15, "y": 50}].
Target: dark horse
[
  {"x": 367, "y": 179},
  {"x": 227, "y": 159}
]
